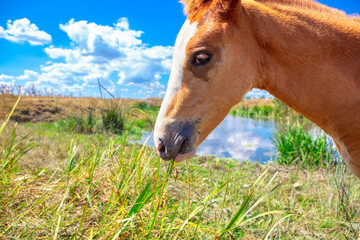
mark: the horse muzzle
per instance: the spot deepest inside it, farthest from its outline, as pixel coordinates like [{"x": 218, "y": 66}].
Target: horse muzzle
[{"x": 175, "y": 140}]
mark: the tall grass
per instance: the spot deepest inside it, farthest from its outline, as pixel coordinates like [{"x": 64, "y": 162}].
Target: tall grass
[
  {"x": 109, "y": 194},
  {"x": 295, "y": 146},
  {"x": 113, "y": 119},
  {"x": 83, "y": 123},
  {"x": 111, "y": 189}
]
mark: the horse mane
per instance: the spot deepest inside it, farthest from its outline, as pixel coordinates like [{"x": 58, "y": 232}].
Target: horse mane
[
  {"x": 312, "y": 5},
  {"x": 304, "y": 4},
  {"x": 196, "y": 8}
]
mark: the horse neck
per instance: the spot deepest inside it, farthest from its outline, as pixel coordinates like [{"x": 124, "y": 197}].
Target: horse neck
[{"x": 310, "y": 61}]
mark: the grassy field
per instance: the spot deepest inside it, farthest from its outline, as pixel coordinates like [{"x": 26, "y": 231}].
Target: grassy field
[{"x": 60, "y": 183}]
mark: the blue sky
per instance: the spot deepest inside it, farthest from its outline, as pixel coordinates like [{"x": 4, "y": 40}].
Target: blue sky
[{"x": 66, "y": 45}]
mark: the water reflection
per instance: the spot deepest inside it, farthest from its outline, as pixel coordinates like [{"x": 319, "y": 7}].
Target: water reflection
[
  {"x": 237, "y": 138},
  {"x": 241, "y": 139}
]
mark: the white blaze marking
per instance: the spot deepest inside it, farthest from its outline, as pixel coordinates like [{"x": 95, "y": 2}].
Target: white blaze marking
[{"x": 187, "y": 31}]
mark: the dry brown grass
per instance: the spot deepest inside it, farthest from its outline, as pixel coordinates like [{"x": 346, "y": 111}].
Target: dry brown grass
[{"x": 50, "y": 109}]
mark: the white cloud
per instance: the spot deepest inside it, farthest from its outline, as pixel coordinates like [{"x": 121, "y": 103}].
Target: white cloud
[
  {"x": 29, "y": 76},
  {"x": 122, "y": 23},
  {"x": 22, "y": 30},
  {"x": 103, "y": 41},
  {"x": 69, "y": 54},
  {"x": 6, "y": 80},
  {"x": 158, "y": 52},
  {"x": 115, "y": 54}
]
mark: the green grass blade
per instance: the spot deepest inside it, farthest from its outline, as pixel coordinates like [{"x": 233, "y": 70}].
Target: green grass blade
[
  {"x": 9, "y": 116},
  {"x": 200, "y": 206}
]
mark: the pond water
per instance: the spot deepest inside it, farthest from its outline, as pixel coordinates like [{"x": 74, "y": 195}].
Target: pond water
[{"x": 237, "y": 138}]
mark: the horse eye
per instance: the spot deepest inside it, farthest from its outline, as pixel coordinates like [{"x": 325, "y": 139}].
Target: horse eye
[{"x": 201, "y": 58}]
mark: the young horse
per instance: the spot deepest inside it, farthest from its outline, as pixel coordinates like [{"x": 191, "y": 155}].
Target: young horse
[{"x": 304, "y": 53}]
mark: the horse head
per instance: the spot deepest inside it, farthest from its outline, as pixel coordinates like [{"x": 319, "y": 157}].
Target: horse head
[{"x": 210, "y": 73}]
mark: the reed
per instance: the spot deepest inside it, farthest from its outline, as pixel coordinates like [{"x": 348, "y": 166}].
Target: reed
[
  {"x": 295, "y": 146},
  {"x": 113, "y": 119}
]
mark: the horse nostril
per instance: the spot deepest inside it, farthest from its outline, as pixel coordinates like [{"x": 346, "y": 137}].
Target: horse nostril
[{"x": 161, "y": 147}]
